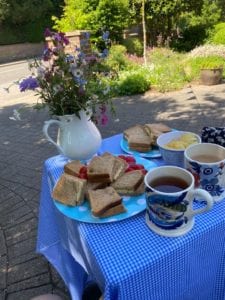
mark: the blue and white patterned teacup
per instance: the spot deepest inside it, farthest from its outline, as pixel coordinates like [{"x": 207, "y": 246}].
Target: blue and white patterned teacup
[
  {"x": 169, "y": 192},
  {"x": 206, "y": 162}
]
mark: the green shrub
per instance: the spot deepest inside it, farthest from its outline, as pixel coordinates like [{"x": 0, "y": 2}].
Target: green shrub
[
  {"x": 166, "y": 69},
  {"x": 117, "y": 59},
  {"x": 191, "y": 37},
  {"x": 133, "y": 46},
  {"x": 195, "y": 64},
  {"x": 217, "y": 35},
  {"x": 133, "y": 82}
]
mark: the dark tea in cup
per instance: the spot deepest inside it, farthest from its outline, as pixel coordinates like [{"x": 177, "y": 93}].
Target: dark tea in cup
[{"x": 168, "y": 184}]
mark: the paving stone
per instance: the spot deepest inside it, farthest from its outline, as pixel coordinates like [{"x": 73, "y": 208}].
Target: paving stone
[
  {"x": 22, "y": 219},
  {"x": 2, "y": 295},
  {"x": 3, "y": 272},
  {"x": 21, "y": 231},
  {"x": 31, "y": 282},
  {"x": 16, "y": 215},
  {"x": 30, "y": 293},
  {"x": 22, "y": 258},
  {"x": 11, "y": 205},
  {"x": 2, "y": 244},
  {"x": 21, "y": 248},
  {"x": 26, "y": 270}
]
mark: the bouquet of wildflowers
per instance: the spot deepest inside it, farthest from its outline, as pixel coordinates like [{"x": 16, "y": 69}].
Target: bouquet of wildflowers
[{"x": 71, "y": 82}]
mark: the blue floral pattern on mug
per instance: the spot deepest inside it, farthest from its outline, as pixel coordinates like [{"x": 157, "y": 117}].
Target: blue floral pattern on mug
[{"x": 208, "y": 177}]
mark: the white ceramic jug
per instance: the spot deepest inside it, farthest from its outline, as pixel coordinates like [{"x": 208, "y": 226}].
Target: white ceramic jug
[{"x": 78, "y": 138}]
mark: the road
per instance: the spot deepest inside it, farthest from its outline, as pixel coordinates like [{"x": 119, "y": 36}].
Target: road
[{"x": 10, "y": 73}]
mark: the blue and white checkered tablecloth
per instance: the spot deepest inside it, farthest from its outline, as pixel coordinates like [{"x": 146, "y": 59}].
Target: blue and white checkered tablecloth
[{"x": 128, "y": 260}]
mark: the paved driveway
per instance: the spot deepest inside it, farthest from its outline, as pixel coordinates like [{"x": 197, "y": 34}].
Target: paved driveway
[{"x": 23, "y": 149}]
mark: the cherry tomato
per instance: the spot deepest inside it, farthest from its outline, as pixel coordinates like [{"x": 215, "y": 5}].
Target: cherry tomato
[
  {"x": 83, "y": 176},
  {"x": 130, "y": 159},
  {"x": 129, "y": 169},
  {"x": 83, "y": 169}
]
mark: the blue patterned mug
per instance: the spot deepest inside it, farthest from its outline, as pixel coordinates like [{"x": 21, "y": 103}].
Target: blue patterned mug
[
  {"x": 170, "y": 193},
  {"x": 206, "y": 162}
]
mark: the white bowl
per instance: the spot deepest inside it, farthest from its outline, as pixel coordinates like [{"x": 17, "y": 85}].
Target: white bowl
[{"x": 173, "y": 157}]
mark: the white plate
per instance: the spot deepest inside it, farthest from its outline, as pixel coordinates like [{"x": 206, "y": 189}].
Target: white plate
[
  {"x": 153, "y": 153},
  {"x": 134, "y": 204}
]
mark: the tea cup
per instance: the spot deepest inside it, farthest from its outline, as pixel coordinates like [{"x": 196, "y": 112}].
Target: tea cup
[
  {"x": 169, "y": 193},
  {"x": 206, "y": 162}
]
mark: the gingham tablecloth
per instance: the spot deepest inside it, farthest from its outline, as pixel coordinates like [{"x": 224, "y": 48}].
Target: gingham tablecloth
[{"x": 128, "y": 260}]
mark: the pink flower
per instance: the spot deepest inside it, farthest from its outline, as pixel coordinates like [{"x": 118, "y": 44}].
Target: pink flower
[{"x": 104, "y": 119}]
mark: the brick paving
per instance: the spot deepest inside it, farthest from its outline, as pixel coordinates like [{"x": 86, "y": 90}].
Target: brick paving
[{"x": 23, "y": 149}]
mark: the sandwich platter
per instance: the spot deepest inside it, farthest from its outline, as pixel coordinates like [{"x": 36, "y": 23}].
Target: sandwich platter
[
  {"x": 153, "y": 153},
  {"x": 133, "y": 204}
]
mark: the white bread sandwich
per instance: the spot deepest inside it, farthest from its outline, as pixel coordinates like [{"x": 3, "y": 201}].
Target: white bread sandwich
[
  {"x": 130, "y": 183},
  {"x": 73, "y": 167},
  {"x": 69, "y": 190},
  {"x": 103, "y": 199}
]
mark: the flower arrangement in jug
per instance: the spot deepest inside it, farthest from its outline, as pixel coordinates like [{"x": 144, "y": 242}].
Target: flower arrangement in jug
[{"x": 69, "y": 83}]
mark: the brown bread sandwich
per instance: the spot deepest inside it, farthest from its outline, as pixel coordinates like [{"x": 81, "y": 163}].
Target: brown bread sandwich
[
  {"x": 119, "y": 165},
  {"x": 103, "y": 199},
  {"x": 137, "y": 138},
  {"x": 73, "y": 167},
  {"x": 130, "y": 183},
  {"x": 69, "y": 190},
  {"x": 100, "y": 169}
]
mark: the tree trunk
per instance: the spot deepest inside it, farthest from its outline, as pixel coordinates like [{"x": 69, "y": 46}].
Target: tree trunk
[{"x": 144, "y": 31}]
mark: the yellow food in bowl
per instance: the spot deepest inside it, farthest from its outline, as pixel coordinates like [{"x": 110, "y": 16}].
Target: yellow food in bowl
[{"x": 182, "y": 142}]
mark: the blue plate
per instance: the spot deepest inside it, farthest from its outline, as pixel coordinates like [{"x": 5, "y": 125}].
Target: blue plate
[
  {"x": 153, "y": 153},
  {"x": 134, "y": 204}
]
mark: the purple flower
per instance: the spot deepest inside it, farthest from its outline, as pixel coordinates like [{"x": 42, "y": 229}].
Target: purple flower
[
  {"x": 61, "y": 38},
  {"x": 29, "y": 83},
  {"x": 105, "y": 35},
  {"x": 105, "y": 53},
  {"x": 47, "y": 54},
  {"x": 87, "y": 35},
  {"x": 47, "y": 32}
]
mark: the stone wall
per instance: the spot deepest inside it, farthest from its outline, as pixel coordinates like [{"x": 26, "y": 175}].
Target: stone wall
[{"x": 9, "y": 53}]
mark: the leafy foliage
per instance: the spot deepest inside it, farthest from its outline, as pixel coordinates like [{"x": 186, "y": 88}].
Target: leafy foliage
[
  {"x": 134, "y": 46},
  {"x": 167, "y": 72},
  {"x": 134, "y": 81},
  {"x": 112, "y": 15},
  {"x": 217, "y": 35},
  {"x": 24, "y": 21},
  {"x": 117, "y": 59}
]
